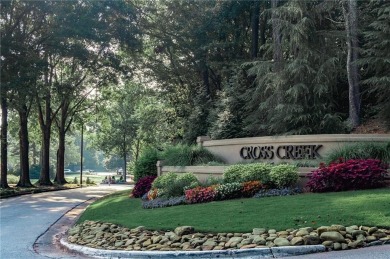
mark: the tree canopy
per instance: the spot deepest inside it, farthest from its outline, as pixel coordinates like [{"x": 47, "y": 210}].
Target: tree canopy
[{"x": 146, "y": 73}]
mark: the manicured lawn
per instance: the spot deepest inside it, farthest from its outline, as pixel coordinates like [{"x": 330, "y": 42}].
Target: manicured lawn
[{"x": 369, "y": 207}]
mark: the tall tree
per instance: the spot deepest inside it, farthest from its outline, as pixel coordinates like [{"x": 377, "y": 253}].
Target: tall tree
[
  {"x": 20, "y": 65},
  {"x": 351, "y": 28}
]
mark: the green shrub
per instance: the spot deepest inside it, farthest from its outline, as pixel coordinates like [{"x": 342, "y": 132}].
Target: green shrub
[
  {"x": 247, "y": 172},
  {"x": 146, "y": 164},
  {"x": 283, "y": 175},
  {"x": 211, "y": 180},
  {"x": 89, "y": 181},
  {"x": 182, "y": 182},
  {"x": 163, "y": 181},
  {"x": 234, "y": 174},
  {"x": 228, "y": 191},
  {"x": 257, "y": 172},
  {"x": 185, "y": 155},
  {"x": 75, "y": 181},
  {"x": 173, "y": 185},
  {"x": 379, "y": 151},
  {"x": 12, "y": 179}
]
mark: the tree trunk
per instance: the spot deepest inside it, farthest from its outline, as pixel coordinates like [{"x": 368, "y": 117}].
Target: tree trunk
[
  {"x": 205, "y": 76},
  {"x": 34, "y": 153},
  {"x": 44, "y": 178},
  {"x": 277, "y": 38},
  {"x": 351, "y": 27},
  {"x": 255, "y": 28},
  {"x": 124, "y": 157},
  {"x": 4, "y": 142},
  {"x": 24, "y": 180},
  {"x": 137, "y": 149},
  {"x": 60, "y": 175},
  {"x": 263, "y": 24}
]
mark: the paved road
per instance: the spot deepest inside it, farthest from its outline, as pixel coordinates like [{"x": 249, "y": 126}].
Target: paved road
[
  {"x": 37, "y": 218},
  {"x": 25, "y": 218},
  {"x": 376, "y": 252}
]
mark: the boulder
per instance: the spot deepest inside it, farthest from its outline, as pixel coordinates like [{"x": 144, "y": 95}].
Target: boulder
[
  {"x": 259, "y": 240},
  {"x": 302, "y": 232},
  {"x": 355, "y": 244},
  {"x": 311, "y": 240},
  {"x": 296, "y": 241},
  {"x": 337, "y": 246},
  {"x": 332, "y": 236},
  {"x": 184, "y": 230},
  {"x": 322, "y": 229},
  {"x": 372, "y": 230},
  {"x": 280, "y": 241},
  {"x": 258, "y": 231}
]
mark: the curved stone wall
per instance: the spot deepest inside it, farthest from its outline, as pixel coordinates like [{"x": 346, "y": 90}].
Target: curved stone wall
[{"x": 284, "y": 148}]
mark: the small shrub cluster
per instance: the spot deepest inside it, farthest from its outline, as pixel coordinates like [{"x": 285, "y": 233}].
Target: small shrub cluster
[
  {"x": 277, "y": 192},
  {"x": 173, "y": 185},
  {"x": 143, "y": 186},
  {"x": 89, "y": 181},
  {"x": 250, "y": 188},
  {"x": 200, "y": 194},
  {"x": 178, "y": 155},
  {"x": 283, "y": 175},
  {"x": 273, "y": 175},
  {"x": 247, "y": 172},
  {"x": 152, "y": 194},
  {"x": 228, "y": 191},
  {"x": 146, "y": 164},
  {"x": 185, "y": 155},
  {"x": 380, "y": 151},
  {"x": 12, "y": 179},
  {"x": 353, "y": 174},
  {"x": 160, "y": 203}
]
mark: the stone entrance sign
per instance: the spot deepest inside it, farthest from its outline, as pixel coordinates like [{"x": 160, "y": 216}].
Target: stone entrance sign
[{"x": 284, "y": 148}]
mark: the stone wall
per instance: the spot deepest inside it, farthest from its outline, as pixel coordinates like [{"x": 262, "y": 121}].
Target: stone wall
[
  {"x": 204, "y": 172},
  {"x": 284, "y": 148}
]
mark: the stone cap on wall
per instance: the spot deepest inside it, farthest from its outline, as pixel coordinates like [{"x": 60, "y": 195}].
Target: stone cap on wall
[{"x": 207, "y": 141}]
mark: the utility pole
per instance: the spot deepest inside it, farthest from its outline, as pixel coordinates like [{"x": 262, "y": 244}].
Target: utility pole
[{"x": 81, "y": 155}]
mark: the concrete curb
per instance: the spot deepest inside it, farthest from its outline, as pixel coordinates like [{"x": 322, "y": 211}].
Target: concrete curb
[{"x": 254, "y": 253}]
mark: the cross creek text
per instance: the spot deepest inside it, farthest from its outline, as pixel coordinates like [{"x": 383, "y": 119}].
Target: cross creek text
[{"x": 282, "y": 152}]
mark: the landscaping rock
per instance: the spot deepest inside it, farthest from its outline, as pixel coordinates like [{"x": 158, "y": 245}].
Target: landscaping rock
[
  {"x": 302, "y": 232},
  {"x": 184, "y": 230},
  {"x": 311, "y": 240},
  {"x": 258, "y": 231},
  {"x": 322, "y": 229},
  {"x": 112, "y": 237},
  {"x": 337, "y": 246},
  {"x": 372, "y": 230},
  {"x": 296, "y": 241},
  {"x": 281, "y": 242},
  {"x": 332, "y": 236},
  {"x": 259, "y": 240}
]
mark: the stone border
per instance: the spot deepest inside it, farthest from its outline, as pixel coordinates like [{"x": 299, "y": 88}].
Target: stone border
[{"x": 273, "y": 252}]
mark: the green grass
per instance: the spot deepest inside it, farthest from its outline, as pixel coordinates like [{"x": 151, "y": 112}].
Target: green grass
[{"x": 368, "y": 207}]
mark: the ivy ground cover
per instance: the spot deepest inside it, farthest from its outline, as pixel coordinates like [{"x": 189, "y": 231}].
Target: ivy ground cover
[{"x": 366, "y": 207}]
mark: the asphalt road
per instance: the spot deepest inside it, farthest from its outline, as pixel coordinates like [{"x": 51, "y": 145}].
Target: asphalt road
[
  {"x": 375, "y": 252},
  {"x": 29, "y": 224},
  {"x": 25, "y": 218}
]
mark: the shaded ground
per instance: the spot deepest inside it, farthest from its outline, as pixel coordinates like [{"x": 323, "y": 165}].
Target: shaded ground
[{"x": 372, "y": 126}]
